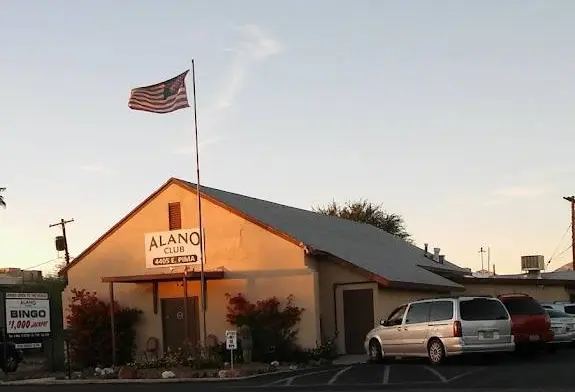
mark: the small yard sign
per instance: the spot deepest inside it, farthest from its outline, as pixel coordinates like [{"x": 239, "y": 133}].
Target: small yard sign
[
  {"x": 231, "y": 340},
  {"x": 232, "y": 344}
]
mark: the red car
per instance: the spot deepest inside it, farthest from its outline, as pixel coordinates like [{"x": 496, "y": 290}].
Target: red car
[{"x": 530, "y": 323}]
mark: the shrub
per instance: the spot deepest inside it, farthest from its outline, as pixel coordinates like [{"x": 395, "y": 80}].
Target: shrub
[
  {"x": 88, "y": 319},
  {"x": 273, "y": 327}
]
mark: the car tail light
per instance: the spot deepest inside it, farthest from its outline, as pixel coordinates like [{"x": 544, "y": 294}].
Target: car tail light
[
  {"x": 548, "y": 319},
  {"x": 457, "y": 329}
]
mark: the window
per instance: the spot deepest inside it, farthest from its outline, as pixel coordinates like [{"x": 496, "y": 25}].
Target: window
[
  {"x": 556, "y": 313},
  {"x": 441, "y": 311},
  {"x": 418, "y": 313},
  {"x": 396, "y": 317},
  {"x": 477, "y": 309},
  {"x": 570, "y": 309},
  {"x": 174, "y": 216},
  {"x": 523, "y": 305}
]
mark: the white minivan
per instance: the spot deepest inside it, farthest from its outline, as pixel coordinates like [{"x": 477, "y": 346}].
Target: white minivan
[{"x": 442, "y": 327}]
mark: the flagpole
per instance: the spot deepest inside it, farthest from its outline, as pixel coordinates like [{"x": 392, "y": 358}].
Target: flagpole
[{"x": 200, "y": 223}]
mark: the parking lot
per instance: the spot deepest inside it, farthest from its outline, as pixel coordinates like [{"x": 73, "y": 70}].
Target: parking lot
[{"x": 510, "y": 371}]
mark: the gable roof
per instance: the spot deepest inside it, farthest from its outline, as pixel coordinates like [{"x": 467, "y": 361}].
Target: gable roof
[{"x": 362, "y": 245}]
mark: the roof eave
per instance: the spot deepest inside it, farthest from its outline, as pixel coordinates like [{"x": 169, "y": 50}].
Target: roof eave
[{"x": 426, "y": 287}]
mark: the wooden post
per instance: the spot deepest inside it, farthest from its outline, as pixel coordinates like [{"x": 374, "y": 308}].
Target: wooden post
[
  {"x": 186, "y": 320},
  {"x": 113, "y": 323}
]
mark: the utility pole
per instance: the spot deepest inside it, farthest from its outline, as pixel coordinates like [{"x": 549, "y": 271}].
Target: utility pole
[
  {"x": 481, "y": 252},
  {"x": 571, "y": 199},
  {"x": 63, "y": 223}
]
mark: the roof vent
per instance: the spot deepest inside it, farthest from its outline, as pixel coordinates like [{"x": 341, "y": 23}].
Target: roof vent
[
  {"x": 441, "y": 259},
  {"x": 533, "y": 263},
  {"x": 436, "y": 254}
]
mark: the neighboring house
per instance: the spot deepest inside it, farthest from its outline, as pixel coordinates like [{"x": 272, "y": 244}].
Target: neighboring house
[
  {"x": 347, "y": 275},
  {"x": 15, "y": 276}
]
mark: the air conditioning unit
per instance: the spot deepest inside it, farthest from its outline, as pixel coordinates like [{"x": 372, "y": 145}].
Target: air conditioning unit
[{"x": 532, "y": 263}]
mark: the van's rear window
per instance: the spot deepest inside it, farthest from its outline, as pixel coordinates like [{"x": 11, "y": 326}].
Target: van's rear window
[
  {"x": 524, "y": 306},
  {"x": 570, "y": 309},
  {"x": 478, "y": 309}
]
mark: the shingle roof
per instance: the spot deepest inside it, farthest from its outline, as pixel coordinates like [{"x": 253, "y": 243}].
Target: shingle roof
[{"x": 363, "y": 245}]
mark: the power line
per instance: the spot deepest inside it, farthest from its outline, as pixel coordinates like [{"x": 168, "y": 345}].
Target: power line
[
  {"x": 41, "y": 264},
  {"x": 562, "y": 252},
  {"x": 559, "y": 244}
]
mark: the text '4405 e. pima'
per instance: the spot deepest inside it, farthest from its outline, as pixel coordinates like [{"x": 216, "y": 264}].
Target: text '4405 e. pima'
[{"x": 164, "y": 97}]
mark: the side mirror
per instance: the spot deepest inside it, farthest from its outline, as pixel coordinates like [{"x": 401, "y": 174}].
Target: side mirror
[{"x": 382, "y": 322}]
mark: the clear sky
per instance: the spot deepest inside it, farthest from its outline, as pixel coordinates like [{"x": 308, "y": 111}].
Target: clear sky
[{"x": 456, "y": 114}]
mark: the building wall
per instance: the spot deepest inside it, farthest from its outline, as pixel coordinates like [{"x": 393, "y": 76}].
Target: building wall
[
  {"x": 258, "y": 263},
  {"x": 334, "y": 279},
  {"x": 540, "y": 293}
]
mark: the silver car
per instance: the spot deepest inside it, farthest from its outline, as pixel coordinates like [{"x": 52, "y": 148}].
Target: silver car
[
  {"x": 563, "y": 326},
  {"x": 442, "y": 327}
]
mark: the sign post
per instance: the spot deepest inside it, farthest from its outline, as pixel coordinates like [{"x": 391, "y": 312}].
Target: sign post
[
  {"x": 232, "y": 344},
  {"x": 68, "y": 333}
]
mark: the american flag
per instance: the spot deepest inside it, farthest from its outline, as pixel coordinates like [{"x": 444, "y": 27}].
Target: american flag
[{"x": 164, "y": 97}]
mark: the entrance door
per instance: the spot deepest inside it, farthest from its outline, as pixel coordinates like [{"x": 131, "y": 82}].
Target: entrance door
[
  {"x": 357, "y": 318},
  {"x": 173, "y": 323}
]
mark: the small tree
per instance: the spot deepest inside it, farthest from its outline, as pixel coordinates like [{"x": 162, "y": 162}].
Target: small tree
[
  {"x": 367, "y": 212},
  {"x": 89, "y": 319},
  {"x": 273, "y": 327}
]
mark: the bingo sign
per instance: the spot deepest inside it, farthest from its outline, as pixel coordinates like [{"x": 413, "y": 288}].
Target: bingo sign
[{"x": 27, "y": 315}]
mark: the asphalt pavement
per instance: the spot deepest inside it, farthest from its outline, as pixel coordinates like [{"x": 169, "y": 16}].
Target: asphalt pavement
[{"x": 544, "y": 372}]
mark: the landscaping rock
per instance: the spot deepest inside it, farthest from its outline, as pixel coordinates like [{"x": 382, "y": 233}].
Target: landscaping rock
[
  {"x": 127, "y": 372},
  {"x": 168, "y": 374}
]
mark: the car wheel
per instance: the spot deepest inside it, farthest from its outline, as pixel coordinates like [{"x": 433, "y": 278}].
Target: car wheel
[
  {"x": 552, "y": 348},
  {"x": 375, "y": 352},
  {"x": 435, "y": 352}
]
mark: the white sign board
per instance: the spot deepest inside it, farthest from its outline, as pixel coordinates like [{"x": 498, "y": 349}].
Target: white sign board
[
  {"x": 231, "y": 340},
  {"x": 27, "y": 314},
  {"x": 28, "y": 345},
  {"x": 173, "y": 248}
]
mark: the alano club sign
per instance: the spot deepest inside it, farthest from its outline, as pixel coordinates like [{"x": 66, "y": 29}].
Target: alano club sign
[{"x": 172, "y": 248}]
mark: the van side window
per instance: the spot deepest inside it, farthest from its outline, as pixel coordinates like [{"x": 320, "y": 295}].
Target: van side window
[
  {"x": 418, "y": 313},
  {"x": 396, "y": 317},
  {"x": 441, "y": 311}
]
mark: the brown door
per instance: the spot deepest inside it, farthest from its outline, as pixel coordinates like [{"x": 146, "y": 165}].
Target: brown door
[
  {"x": 357, "y": 318},
  {"x": 173, "y": 323}
]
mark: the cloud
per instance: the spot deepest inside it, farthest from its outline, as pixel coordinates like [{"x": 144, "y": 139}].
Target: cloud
[
  {"x": 191, "y": 149},
  {"x": 255, "y": 46},
  {"x": 94, "y": 168},
  {"x": 521, "y": 192},
  {"x": 513, "y": 193}
]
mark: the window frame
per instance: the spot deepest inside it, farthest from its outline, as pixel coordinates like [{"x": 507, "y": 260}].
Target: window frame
[
  {"x": 403, "y": 309},
  {"x": 451, "y": 302},
  {"x": 415, "y": 304}
]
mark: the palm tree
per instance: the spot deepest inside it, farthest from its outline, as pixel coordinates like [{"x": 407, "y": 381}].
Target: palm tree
[
  {"x": 370, "y": 213},
  {"x": 2, "y": 201}
]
